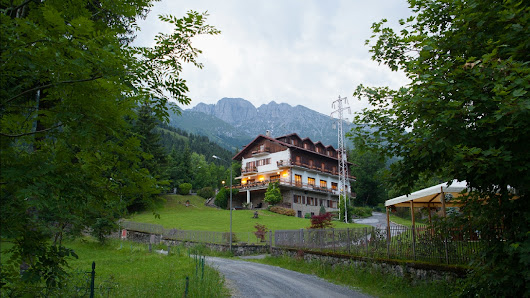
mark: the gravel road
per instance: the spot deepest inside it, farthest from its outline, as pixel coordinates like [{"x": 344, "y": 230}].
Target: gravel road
[{"x": 246, "y": 279}]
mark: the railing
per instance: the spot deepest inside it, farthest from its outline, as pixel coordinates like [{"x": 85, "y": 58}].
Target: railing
[
  {"x": 421, "y": 243},
  {"x": 287, "y": 182},
  {"x": 195, "y": 236}
]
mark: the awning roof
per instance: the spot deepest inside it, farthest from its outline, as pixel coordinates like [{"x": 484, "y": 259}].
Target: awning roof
[{"x": 431, "y": 196}]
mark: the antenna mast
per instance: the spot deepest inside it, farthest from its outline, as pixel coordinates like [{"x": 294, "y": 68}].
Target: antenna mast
[{"x": 343, "y": 164}]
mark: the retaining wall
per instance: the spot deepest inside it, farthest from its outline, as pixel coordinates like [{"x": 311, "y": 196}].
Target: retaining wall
[
  {"x": 237, "y": 249},
  {"x": 413, "y": 271}
]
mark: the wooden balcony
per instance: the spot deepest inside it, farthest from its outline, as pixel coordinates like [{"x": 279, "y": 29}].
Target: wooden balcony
[
  {"x": 261, "y": 151},
  {"x": 249, "y": 170},
  {"x": 283, "y": 163}
]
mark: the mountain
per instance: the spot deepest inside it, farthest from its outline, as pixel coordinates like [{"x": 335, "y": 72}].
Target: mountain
[
  {"x": 217, "y": 130},
  {"x": 280, "y": 119}
]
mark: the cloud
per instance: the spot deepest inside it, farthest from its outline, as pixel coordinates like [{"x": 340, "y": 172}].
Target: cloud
[{"x": 294, "y": 51}]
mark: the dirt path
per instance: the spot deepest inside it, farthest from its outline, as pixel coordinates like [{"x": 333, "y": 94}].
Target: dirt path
[{"x": 246, "y": 279}]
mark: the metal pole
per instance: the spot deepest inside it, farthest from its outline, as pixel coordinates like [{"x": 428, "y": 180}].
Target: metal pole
[
  {"x": 230, "y": 207},
  {"x": 92, "y": 278}
]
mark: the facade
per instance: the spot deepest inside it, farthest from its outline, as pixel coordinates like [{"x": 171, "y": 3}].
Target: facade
[{"x": 307, "y": 173}]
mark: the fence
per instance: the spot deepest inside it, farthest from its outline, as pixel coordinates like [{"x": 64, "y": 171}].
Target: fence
[
  {"x": 421, "y": 243},
  {"x": 196, "y": 236}
]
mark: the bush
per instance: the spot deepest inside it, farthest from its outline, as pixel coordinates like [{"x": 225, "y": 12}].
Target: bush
[
  {"x": 184, "y": 188},
  {"x": 261, "y": 231},
  {"x": 321, "y": 221},
  {"x": 221, "y": 199},
  {"x": 206, "y": 192},
  {"x": 307, "y": 216},
  {"x": 273, "y": 195},
  {"x": 282, "y": 210},
  {"x": 362, "y": 211}
]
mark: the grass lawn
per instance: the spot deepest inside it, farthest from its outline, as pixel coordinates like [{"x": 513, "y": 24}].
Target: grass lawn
[
  {"x": 405, "y": 222},
  {"x": 175, "y": 214},
  {"x": 134, "y": 272}
]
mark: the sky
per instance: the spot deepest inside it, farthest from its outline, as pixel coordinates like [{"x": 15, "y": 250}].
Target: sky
[{"x": 300, "y": 52}]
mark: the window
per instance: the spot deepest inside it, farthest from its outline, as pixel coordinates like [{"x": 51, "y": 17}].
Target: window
[
  {"x": 311, "y": 181},
  {"x": 334, "y": 186},
  {"x": 298, "y": 159},
  {"x": 311, "y": 163},
  {"x": 323, "y": 166},
  {"x": 299, "y": 213},
  {"x": 263, "y": 162},
  {"x": 298, "y": 179},
  {"x": 323, "y": 184},
  {"x": 334, "y": 169},
  {"x": 312, "y": 214},
  {"x": 297, "y": 199}
]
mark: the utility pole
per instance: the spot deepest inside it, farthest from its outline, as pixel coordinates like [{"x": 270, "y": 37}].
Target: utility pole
[{"x": 340, "y": 107}]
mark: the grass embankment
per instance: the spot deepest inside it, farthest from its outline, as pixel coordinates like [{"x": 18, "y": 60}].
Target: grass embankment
[
  {"x": 175, "y": 214},
  {"x": 367, "y": 280},
  {"x": 404, "y": 222},
  {"x": 130, "y": 270}
]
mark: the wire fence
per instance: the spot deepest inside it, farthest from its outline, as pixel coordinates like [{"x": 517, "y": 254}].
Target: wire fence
[
  {"x": 197, "y": 236},
  {"x": 421, "y": 243}
]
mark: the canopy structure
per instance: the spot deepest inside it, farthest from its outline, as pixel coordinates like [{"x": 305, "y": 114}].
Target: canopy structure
[{"x": 434, "y": 196}]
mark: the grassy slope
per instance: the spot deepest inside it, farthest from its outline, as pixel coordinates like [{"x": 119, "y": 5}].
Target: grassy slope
[
  {"x": 135, "y": 272},
  {"x": 174, "y": 214},
  {"x": 367, "y": 280},
  {"x": 404, "y": 222}
]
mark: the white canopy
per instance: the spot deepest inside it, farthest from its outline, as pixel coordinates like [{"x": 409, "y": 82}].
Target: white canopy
[{"x": 431, "y": 196}]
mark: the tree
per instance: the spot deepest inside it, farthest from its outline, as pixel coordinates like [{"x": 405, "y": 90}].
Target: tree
[
  {"x": 464, "y": 115},
  {"x": 70, "y": 82},
  {"x": 273, "y": 195},
  {"x": 369, "y": 185}
]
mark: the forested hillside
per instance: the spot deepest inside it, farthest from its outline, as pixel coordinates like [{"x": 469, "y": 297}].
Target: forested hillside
[{"x": 172, "y": 138}]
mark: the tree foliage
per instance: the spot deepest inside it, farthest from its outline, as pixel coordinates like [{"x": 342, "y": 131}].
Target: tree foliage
[
  {"x": 273, "y": 195},
  {"x": 369, "y": 185},
  {"x": 465, "y": 115},
  {"x": 70, "y": 85}
]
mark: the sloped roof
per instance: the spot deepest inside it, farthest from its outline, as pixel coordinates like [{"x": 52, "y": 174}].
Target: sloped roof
[
  {"x": 239, "y": 155},
  {"x": 431, "y": 196}
]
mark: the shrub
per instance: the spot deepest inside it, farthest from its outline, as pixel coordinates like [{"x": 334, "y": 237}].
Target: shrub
[
  {"x": 221, "y": 199},
  {"x": 282, "y": 210},
  {"x": 322, "y": 210},
  {"x": 362, "y": 211},
  {"x": 261, "y": 231},
  {"x": 307, "y": 216},
  {"x": 184, "y": 188},
  {"x": 273, "y": 195},
  {"x": 206, "y": 192},
  {"x": 321, "y": 221}
]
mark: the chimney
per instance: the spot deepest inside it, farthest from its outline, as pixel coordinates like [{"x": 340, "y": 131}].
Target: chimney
[{"x": 268, "y": 133}]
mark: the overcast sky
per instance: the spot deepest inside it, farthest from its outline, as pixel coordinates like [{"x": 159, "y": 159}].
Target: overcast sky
[{"x": 290, "y": 51}]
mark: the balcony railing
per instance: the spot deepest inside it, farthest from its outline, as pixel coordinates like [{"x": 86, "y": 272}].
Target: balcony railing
[
  {"x": 286, "y": 182},
  {"x": 261, "y": 151},
  {"x": 247, "y": 170}
]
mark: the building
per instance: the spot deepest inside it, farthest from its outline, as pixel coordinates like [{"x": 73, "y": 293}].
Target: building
[{"x": 307, "y": 173}]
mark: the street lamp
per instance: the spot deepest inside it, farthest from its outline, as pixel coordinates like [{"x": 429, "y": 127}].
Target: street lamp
[{"x": 217, "y": 157}]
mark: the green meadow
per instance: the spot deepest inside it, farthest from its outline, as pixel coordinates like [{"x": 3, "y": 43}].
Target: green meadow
[{"x": 174, "y": 214}]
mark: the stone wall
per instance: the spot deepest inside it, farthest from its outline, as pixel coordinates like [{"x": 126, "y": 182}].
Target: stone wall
[
  {"x": 237, "y": 249},
  {"x": 413, "y": 271}
]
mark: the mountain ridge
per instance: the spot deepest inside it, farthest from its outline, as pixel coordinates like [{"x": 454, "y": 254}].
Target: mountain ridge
[{"x": 233, "y": 122}]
